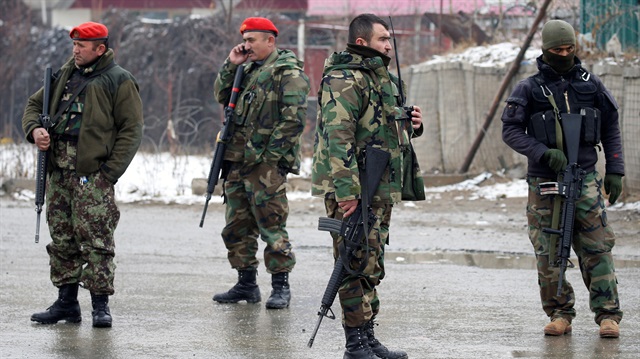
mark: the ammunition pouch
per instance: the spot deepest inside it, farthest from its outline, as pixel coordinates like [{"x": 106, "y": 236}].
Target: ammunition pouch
[
  {"x": 244, "y": 108},
  {"x": 542, "y": 127},
  {"x": 412, "y": 180},
  {"x": 591, "y": 122}
]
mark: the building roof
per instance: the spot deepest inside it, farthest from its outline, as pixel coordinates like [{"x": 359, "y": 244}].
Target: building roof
[
  {"x": 403, "y": 7},
  {"x": 283, "y": 5},
  {"x": 145, "y": 4}
]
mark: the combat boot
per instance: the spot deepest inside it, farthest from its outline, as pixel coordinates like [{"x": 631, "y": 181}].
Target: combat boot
[
  {"x": 246, "y": 289},
  {"x": 65, "y": 308},
  {"x": 380, "y": 350},
  {"x": 357, "y": 346},
  {"x": 281, "y": 294},
  {"x": 101, "y": 314},
  {"x": 609, "y": 329},
  {"x": 558, "y": 326}
]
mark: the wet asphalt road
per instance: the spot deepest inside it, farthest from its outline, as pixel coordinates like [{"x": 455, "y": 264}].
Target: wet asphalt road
[{"x": 437, "y": 300}]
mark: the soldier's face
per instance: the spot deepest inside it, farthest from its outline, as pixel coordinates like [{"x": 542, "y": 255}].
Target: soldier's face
[
  {"x": 259, "y": 45},
  {"x": 563, "y": 50},
  {"x": 86, "y": 52},
  {"x": 379, "y": 40}
]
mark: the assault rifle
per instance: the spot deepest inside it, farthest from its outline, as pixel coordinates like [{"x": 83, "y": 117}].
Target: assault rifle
[
  {"x": 568, "y": 188},
  {"x": 354, "y": 231},
  {"x": 221, "y": 141},
  {"x": 41, "y": 169}
]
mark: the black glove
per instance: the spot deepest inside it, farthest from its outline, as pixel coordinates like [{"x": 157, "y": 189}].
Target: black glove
[
  {"x": 556, "y": 160},
  {"x": 613, "y": 186}
]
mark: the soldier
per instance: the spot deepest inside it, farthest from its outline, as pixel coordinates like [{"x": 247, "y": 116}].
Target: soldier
[
  {"x": 359, "y": 106},
  {"x": 265, "y": 146},
  {"x": 562, "y": 80},
  {"x": 97, "y": 132}
]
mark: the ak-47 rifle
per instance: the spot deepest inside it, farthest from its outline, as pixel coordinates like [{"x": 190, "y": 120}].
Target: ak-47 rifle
[
  {"x": 354, "y": 231},
  {"x": 568, "y": 188},
  {"x": 41, "y": 169},
  {"x": 221, "y": 141}
]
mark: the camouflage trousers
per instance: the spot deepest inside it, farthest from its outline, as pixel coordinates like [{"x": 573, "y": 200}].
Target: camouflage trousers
[
  {"x": 592, "y": 242},
  {"x": 82, "y": 218},
  {"x": 257, "y": 205},
  {"x": 358, "y": 295}
]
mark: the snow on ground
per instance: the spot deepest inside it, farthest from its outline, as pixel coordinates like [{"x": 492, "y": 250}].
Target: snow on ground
[
  {"x": 162, "y": 178},
  {"x": 486, "y": 56}
]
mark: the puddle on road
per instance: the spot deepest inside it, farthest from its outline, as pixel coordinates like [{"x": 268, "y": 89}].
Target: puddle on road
[{"x": 490, "y": 260}]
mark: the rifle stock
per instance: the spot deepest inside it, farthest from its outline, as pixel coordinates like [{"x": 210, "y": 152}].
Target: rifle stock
[
  {"x": 41, "y": 169},
  {"x": 352, "y": 230},
  {"x": 221, "y": 140},
  {"x": 569, "y": 189}
]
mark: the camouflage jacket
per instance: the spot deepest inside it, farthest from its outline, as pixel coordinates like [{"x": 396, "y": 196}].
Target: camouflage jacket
[
  {"x": 358, "y": 104},
  {"x": 271, "y": 111},
  {"x": 111, "y": 128}
]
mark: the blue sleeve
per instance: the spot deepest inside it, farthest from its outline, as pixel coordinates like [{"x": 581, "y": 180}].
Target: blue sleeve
[{"x": 515, "y": 118}]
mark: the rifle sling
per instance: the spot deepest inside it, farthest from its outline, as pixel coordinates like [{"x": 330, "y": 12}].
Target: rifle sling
[
  {"x": 557, "y": 203},
  {"x": 75, "y": 94}
]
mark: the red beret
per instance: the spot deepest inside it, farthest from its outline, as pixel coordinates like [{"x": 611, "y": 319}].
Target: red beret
[
  {"x": 89, "y": 31},
  {"x": 258, "y": 24}
]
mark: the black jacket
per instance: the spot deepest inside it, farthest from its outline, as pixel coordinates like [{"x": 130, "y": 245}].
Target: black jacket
[{"x": 583, "y": 91}]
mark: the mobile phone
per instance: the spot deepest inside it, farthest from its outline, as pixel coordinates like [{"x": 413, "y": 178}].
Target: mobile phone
[{"x": 244, "y": 51}]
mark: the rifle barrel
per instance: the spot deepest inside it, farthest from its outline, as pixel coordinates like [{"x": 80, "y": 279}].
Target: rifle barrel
[
  {"x": 223, "y": 136},
  {"x": 315, "y": 330},
  {"x": 41, "y": 167}
]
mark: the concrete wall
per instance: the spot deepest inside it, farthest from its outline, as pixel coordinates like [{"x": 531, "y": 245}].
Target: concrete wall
[{"x": 456, "y": 96}]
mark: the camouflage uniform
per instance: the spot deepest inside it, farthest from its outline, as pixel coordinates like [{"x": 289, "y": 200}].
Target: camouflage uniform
[
  {"x": 358, "y": 105},
  {"x": 592, "y": 244},
  {"x": 593, "y": 237},
  {"x": 268, "y": 121},
  {"x": 90, "y": 149}
]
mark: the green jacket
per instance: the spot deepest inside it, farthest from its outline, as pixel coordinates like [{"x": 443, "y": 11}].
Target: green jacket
[
  {"x": 111, "y": 128},
  {"x": 357, "y": 106},
  {"x": 271, "y": 111}
]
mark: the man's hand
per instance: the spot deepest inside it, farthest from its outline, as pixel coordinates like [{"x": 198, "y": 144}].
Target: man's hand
[
  {"x": 41, "y": 138},
  {"x": 348, "y": 207},
  {"x": 416, "y": 119},
  {"x": 556, "y": 160},
  {"x": 613, "y": 186},
  {"x": 238, "y": 54}
]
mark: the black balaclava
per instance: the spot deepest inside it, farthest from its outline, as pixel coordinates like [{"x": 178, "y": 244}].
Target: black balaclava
[{"x": 558, "y": 33}]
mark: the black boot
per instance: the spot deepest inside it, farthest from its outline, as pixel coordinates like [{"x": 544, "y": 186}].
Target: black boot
[
  {"x": 380, "y": 350},
  {"x": 101, "y": 314},
  {"x": 246, "y": 289},
  {"x": 281, "y": 294},
  {"x": 65, "y": 308},
  {"x": 357, "y": 344}
]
